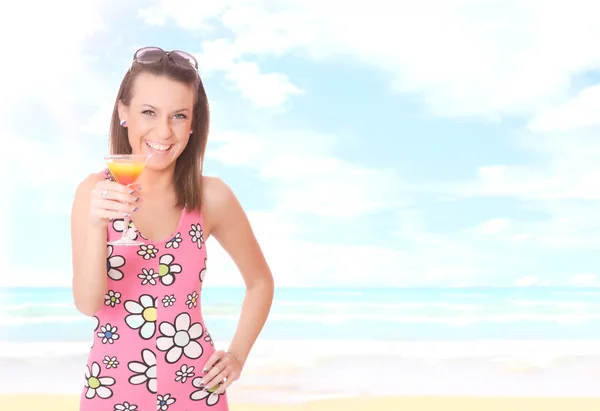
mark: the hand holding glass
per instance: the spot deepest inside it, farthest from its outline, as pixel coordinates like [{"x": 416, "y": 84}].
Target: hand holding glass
[{"x": 126, "y": 169}]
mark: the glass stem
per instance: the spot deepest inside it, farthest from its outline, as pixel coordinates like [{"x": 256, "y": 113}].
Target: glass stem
[{"x": 126, "y": 223}]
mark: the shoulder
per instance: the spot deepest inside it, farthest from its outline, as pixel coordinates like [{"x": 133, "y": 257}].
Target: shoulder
[
  {"x": 219, "y": 202},
  {"x": 85, "y": 187},
  {"x": 215, "y": 191},
  {"x": 83, "y": 193},
  {"x": 89, "y": 182}
]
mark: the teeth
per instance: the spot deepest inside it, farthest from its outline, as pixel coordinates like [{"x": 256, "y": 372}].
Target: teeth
[{"x": 157, "y": 146}]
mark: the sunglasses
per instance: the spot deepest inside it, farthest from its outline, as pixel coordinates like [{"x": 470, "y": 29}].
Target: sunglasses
[{"x": 148, "y": 55}]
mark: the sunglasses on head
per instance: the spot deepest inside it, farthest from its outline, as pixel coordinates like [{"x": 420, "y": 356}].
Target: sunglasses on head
[{"x": 148, "y": 55}]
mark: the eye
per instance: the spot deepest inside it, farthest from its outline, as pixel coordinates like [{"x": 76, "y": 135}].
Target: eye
[
  {"x": 148, "y": 112},
  {"x": 181, "y": 116}
]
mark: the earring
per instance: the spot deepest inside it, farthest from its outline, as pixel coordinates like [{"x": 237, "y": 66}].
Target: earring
[
  {"x": 191, "y": 131},
  {"x": 123, "y": 123}
]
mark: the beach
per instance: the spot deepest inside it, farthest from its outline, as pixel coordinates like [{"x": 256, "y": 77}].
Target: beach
[
  {"x": 70, "y": 403},
  {"x": 327, "y": 349}
]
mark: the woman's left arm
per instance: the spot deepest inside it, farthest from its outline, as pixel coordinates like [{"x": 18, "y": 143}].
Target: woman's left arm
[{"x": 229, "y": 225}]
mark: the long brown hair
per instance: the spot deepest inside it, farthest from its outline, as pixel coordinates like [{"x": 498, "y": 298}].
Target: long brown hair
[{"x": 188, "y": 168}]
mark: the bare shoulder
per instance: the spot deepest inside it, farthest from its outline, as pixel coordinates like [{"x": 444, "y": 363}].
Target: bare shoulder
[
  {"x": 86, "y": 185},
  {"x": 215, "y": 191},
  {"x": 228, "y": 223},
  {"x": 219, "y": 203}
]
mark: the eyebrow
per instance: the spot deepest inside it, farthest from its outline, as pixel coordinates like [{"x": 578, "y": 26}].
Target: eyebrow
[{"x": 154, "y": 108}]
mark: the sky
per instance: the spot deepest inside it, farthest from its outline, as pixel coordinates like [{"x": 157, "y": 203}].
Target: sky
[{"x": 372, "y": 144}]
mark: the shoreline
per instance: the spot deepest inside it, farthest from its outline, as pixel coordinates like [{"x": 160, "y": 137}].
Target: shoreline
[
  {"x": 53, "y": 402},
  {"x": 292, "y": 382}
]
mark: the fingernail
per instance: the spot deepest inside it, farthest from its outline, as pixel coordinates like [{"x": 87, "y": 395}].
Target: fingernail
[
  {"x": 126, "y": 214},
  {"x": 204, "y": 370},
  {"x": 132, "y": 191},
  {"x": 136, "y": 200},
  {"x": 201, "y": 382},
  {"x": 134, "y": 209}
]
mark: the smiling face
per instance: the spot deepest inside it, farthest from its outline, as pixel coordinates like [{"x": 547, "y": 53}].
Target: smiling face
[{"x": 158, "y": 118}]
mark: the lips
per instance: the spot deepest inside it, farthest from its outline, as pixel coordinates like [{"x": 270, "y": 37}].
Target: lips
[{"x": 158, "y": 148}]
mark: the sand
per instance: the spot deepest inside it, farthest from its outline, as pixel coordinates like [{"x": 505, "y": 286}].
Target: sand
[{"x": 70, "y": 403}]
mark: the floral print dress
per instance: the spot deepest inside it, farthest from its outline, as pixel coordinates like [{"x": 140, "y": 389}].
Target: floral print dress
[{"x": 150, "y": 342}]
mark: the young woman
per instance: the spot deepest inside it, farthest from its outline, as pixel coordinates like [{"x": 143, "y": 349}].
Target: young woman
[{"x": 151, "y": 348}]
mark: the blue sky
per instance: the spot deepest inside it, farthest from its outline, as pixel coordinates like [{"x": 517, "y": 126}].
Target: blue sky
[{"x": 442, "y": 143}]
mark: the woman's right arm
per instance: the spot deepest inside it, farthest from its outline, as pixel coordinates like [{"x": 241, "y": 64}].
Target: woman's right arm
[{"x": 89, "y": 220}]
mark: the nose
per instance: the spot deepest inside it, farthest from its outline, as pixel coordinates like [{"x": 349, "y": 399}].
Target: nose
[{"x": 163, "y": 128}]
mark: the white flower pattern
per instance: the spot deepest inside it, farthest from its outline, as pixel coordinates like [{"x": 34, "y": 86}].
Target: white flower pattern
[
  {"x": 169, "y": 300},
  {"x": 125, "y": 407},
  {"x": 96, "y": 385},
  {"x": 208, "y": 338},
  {"x": 192, "y": 300},
  {"x": 110, "y": 362},
  {"x": 108, "y": 333},
  {"x": 183, "y": 373},
  {"x": 139, "y": 312},
  {"x": 112, "y": 298},
  {"x": 174, "y": 242},
  {"x": 148, "y": 276},
  {"x": 203, "y": 272},
  {"x": 119, "y": 225},
  {"x": 145, "y": 371},
  {"x": 201, "y": 393},
  {"x": 142, "y": 315},
  {"x": 148, "y": 251},
  {"x": 164, "y": 401},
  {"x": 180, "y": 338},
  {"x": 167, "y": 269},
  {"x": 113, "y": 263},
  {"x": 197, "y": 235}
]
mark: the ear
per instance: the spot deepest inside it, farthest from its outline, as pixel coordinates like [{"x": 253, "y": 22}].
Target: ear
[{"x": 122, "y": 110}]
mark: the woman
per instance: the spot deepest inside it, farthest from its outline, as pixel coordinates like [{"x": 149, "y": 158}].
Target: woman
[{"x": 151, "y": 347}]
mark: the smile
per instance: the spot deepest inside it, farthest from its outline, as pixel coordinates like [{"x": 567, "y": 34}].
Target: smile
[{"x": 157, "y": 147}]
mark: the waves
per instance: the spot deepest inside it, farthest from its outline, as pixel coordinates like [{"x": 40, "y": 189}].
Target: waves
[{"x": 364, "y": 314}]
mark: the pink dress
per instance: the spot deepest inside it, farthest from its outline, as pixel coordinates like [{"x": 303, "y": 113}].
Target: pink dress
[{"x": 150, "y": 342}]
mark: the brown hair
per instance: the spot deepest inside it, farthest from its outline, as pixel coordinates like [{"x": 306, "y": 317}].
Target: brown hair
[{"x": 188, "y": 168}]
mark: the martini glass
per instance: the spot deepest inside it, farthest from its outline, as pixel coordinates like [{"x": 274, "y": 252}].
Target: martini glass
[{"x": 125, "y": 169}]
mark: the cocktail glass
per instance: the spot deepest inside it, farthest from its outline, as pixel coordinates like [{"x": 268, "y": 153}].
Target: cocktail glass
[{"x": 125, "y": 169}]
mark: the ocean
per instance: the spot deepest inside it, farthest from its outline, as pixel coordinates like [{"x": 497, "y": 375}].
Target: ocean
[
  {"x": 316, "y": 337},
  {"x": 369, "y": 314}
]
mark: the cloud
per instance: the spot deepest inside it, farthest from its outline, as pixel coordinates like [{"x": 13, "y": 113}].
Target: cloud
[
  {"x": 300, "y": 166},
  {"x": 531, "y": 281},
  {"x": 585, "y": 280},
  {"x": 264, "y": 90},
  {"x": 494, "y": 226},
  {"x": 49, "y": 55},
  {"x": 581, "y": 111},
  {"x": 460, "y": 58}
]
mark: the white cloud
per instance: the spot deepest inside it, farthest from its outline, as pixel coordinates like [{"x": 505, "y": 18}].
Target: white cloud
[
  {"x": 494, "y": 226},
  {"x": 298, "y": 262},
  {"x": 581, "y": 111},
  {"x": 531, "y": 281},
  {"x": 585, "y": 280},
  {"x": 98, "y": 123},
  {"x": 49, "y": 53},
  {"x": 264, "y": 90},
  {"x": 301, "y": 166},
  {"x": 462, "y": 58}
]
